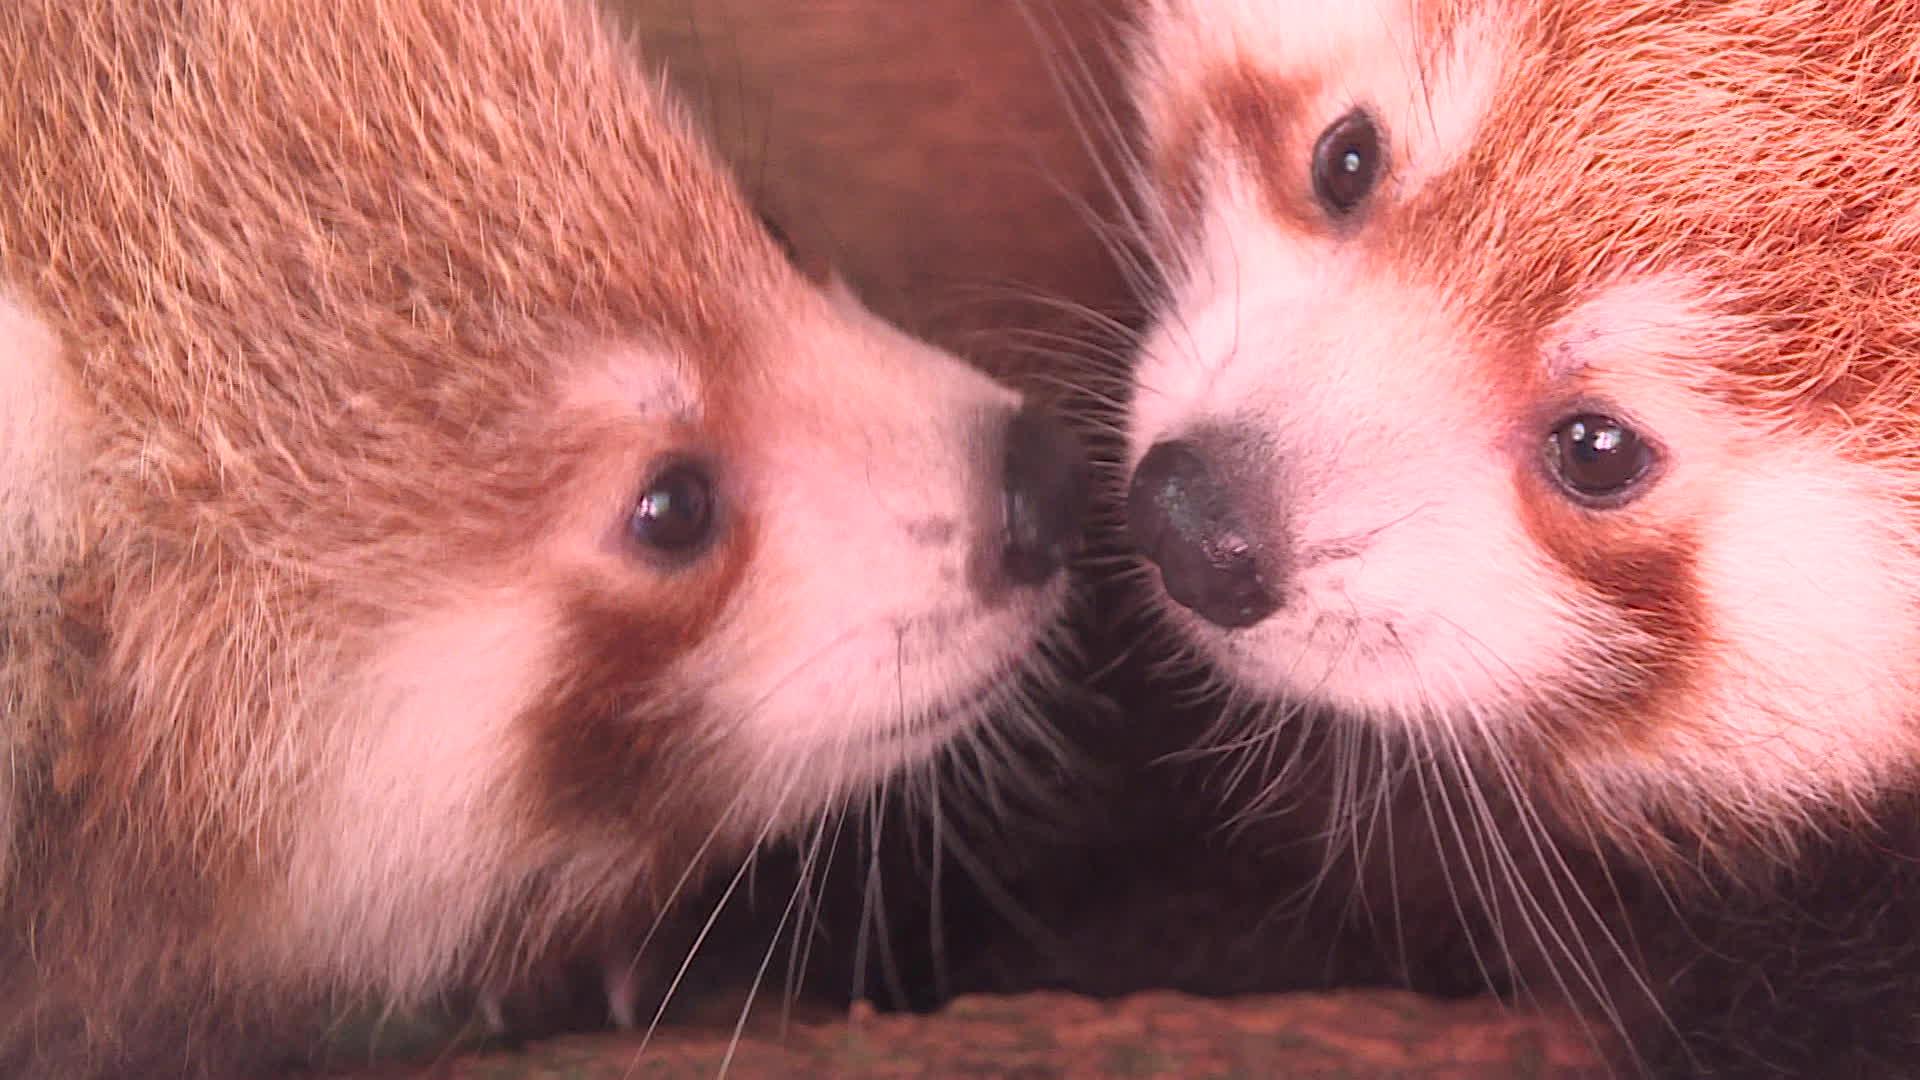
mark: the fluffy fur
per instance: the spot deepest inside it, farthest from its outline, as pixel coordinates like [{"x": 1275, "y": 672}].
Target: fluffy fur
[
  {"x": 1657, "y": 742},
  {"x": 337, "y": 342}
]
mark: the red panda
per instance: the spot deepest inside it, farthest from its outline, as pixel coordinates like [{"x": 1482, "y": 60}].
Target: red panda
[
  {"x": 932, "y": 155},
  {"x": 436, "y": 512},
  {"x": 1533, "y": 385}
]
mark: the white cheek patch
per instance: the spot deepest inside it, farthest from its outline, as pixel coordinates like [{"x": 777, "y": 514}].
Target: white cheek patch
[
  {"x": 1812, "y": 586},
  {"x": 1804, "y": 565},
  {"x": 1352, "y": 384},
  {"x": 40, "y": 439},
  {"x": 413, "y": 816},
  {"x": 42, "y": 454}
]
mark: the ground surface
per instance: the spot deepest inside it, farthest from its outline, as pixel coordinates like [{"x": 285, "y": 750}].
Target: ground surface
[{"x": 1055, "y": 1035}]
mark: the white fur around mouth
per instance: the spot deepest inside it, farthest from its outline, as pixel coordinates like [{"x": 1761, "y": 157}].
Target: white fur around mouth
[
  {"x": 1319, "y": 657},
  {"x": 922, "y": 741},
  {"x": 929, "y": 732}
]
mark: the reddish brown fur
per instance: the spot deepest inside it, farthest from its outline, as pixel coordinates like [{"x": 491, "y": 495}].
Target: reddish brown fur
[
  {"x": 202, "y": 199},
  {"x": 1647, "y": 578},
  {"x": 1829, "y": 145},
  {"x": 1668, "y": 173},
  {"x": 1794, "y": 205},
  {"x": 1250, "y": 112},
  {"x": 1671, "y": 174}
]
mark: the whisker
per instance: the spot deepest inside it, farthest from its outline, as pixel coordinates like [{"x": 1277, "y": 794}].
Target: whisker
[
  {"x": 707, "y": 927},
  {"x": 766, "y": 960}
]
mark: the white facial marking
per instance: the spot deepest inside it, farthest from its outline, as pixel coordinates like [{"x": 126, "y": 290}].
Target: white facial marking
[
  {"x": 1400, "y": 510},
  {"x": 39, "y": 437},
  {"x": 1812, "y": 651},
  {"x": 1428, "y": 101},
  {"x": 1815, "y": 671},
  {"x": 648, "y": 382},
  {"x": 1657, "y": 321},
  {"x": 868, "y": 467},
  {"x": 41, "y": 453},
  {"x": 1419, "y": 595},
  {"x": 414, "y": 816},
  {"x": 1435, "y": 119},
  {"x": 862, "y": 626}
]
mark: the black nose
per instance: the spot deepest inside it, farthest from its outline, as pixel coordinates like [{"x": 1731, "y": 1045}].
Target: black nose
[
  {"x": 1045, "y": 495},
  {"x": 1182, "y": 517}
]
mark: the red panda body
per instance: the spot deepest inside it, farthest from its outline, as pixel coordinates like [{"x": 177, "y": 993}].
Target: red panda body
[
  {"x": 436, "y": 514},
  {"x": 1532, "y": 389}
]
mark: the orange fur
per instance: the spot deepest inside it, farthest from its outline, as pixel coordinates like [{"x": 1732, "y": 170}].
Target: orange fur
[
  {"x": 1765, "y": 151},
  {"x": 331, "y": 287}
]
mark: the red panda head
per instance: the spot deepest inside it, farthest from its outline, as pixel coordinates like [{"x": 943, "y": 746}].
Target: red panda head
[
  {"x": 1538, "y": 378},
  {"x": 469, "y": 501}
]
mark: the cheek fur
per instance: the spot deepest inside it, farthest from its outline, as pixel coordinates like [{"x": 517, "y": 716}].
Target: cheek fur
[
  {"x": 620, "y": 700},
  {"x": 1652, "y": 635}
]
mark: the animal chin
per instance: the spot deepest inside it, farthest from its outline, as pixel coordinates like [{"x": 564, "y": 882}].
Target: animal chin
[
  {"x": 926, "y": 736},
  {"x": 913, "y": 740},
  {"x": 1326, "y": 658}
]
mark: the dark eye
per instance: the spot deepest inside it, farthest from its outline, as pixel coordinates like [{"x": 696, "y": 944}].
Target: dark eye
[
  {"x": 675, "y": 514},
  {"x": 1598, "y": 459},
  {"x": 1346, "y": 162}
]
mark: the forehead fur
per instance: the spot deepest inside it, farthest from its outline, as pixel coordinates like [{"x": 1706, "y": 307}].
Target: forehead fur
[{"x": 486, "y": 187}]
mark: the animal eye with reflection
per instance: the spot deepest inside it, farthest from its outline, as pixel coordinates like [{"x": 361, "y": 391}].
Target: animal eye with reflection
[
  {"x": 1598, "y": 460},
  {"x": 676, "y": 513},
  {"x": 1346, "y": 163}
]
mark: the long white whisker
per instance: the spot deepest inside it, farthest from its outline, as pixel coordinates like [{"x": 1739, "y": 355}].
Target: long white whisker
[
  {"x": 707, "y": 927},
  {"x": 766, "y": 960}
]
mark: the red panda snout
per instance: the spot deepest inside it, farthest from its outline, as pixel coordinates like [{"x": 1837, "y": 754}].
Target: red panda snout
[
  {"x": 1045, "y": 494},
  {"x": 1192, "y": 513},
  {"x": 1578, "y": 445}
]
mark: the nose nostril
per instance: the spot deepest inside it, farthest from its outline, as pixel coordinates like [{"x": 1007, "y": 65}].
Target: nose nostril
[
  {"x": 1044, "y": 492},
  {"x": 1182, "y": 517},
  {"x": 1171, "y": 485}
]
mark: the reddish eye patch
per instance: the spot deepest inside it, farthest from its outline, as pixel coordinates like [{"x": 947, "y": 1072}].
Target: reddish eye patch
[
  {"x": 620, "y": 700},
  {"x": 1250, "y": 113},
  {"x": 1652, "y": 636}
]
